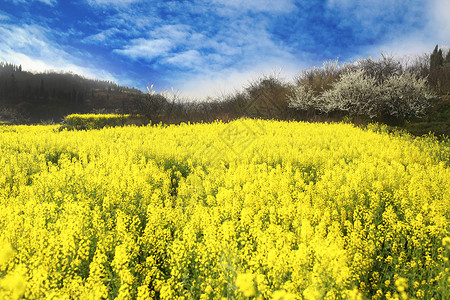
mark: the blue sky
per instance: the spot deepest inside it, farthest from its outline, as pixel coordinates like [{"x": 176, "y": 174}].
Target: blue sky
[{"x": 214, "y": 46}]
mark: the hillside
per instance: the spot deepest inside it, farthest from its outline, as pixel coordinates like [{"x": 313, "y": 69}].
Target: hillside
[{"x": 27, "y": 97}]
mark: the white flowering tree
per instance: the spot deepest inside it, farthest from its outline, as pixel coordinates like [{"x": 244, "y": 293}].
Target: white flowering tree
[
  {"x": 356, "y": 93},
  {"x": 396, "y": 97},
  {"x": 404, "y": 96},
  {"x": 303, "y": 98}
]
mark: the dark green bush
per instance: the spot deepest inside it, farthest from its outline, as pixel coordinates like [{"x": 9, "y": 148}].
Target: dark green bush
[{"x": 95, "y": 121}]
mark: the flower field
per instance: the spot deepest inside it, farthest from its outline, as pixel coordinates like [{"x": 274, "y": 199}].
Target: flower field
[{"x": 249, "y": 209}]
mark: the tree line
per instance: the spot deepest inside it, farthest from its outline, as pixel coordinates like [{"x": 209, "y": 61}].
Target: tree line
[
  {"x": 388, "y": 89},
  {"x": 26, "y": 97}
]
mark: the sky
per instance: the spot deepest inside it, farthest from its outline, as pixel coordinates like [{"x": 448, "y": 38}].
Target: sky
[{"x": 211, "y": 47}]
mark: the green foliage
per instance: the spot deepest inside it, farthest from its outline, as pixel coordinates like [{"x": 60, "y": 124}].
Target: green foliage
[
  {"x": 440, "y": 129},
  {"x": 447, "y": 59},
  {"x": 436, "y": 58},
  {"x": 439, "y": 73},
  {"x": 94, "y": 121}
]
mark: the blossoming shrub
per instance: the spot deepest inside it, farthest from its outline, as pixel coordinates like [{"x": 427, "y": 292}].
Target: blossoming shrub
[
  {"x": 358, "y": 93},
  {"x": 247, "y": 209}
]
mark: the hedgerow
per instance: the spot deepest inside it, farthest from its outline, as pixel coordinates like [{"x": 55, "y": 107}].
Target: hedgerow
[{"x": 95, "y": 121}]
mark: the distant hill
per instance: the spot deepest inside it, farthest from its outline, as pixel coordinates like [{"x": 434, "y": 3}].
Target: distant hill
[{"x": 27, "y": 97}]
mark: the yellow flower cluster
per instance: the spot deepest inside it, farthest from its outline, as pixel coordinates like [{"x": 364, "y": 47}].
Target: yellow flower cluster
[{"x": 247, "y": 209}]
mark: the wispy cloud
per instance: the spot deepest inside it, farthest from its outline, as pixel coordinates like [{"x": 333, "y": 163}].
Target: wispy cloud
[
  {"x": 394, "y": 27},
  {"x": 215, "y": 84},
  {"x": 213, "y": 53},
  {"x": 237, "y": 6},
  {"x": 439, "y": 19},
  {"x": 3, "y": 16},
  {"x": 176, "y": 32},
  {"x": 48, "y": 2},
  {"x": 203, "y": 45},
  {"x": 147, "y": 49},
  {"x": 188, "y": 59},
  {"x": 111, "y": 2},
  {"x": 29, "y": 46},
  {"x": 161, "y": 42},
  {"x": 376, "y": 17},
  {"x": 102, "y": 36}
]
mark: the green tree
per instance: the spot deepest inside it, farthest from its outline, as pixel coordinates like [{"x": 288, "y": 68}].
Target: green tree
[
  {"x": 436, "y": 58},
  {"x": 447, "y": 59}
]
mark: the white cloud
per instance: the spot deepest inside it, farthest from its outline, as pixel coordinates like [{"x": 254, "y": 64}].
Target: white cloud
[
  {"x": 29, "y": 46},
  {"x": 439, "y": 20},
  {"x": 160, "y": 43},
  {"x": 414, "y": 27},
  {"x": 148, "y": 49},
  {"x": 102, "y": 36},
  {"x": 3, "y": 17},
  {"x": 59, "y": 64},
  {"x": 371, "y": 18},
  {"x": 27, "y": 38},
  {"x": 187, "y": 59},
  {"x": 48, "y": 2},
  {"x": 111, "y": 2},
  {"x": 177, "y": 33},
  {"x": 407, "y": 47},
  {"x": 228, "y": 80},
  {"x": 216, "y": 62},
  {"x": 233, "y": 6}
]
